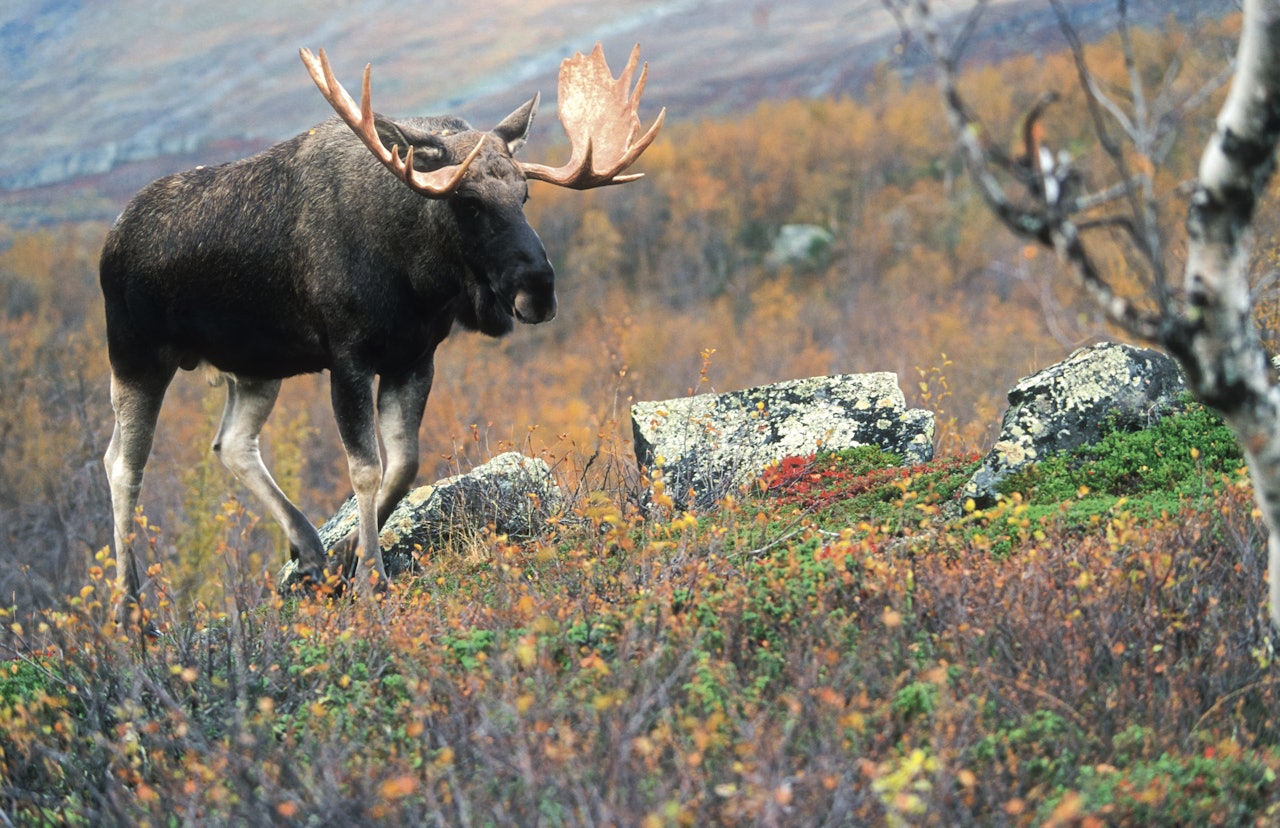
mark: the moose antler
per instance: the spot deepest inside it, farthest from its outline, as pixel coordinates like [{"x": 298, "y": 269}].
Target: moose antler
[
  {"x": 599, "y": 115},
  {"x": 436, "y": 184}
]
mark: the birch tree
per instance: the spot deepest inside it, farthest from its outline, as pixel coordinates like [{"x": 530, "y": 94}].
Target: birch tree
[{"x": 1206, "y": 324}]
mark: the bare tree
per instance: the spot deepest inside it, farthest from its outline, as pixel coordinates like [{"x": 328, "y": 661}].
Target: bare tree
[{"x": 1206, "y": 325}]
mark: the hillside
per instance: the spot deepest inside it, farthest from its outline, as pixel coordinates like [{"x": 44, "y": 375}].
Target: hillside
[
  {"x": 102, "y": 97},
  {"x": 665, "y": 288}
]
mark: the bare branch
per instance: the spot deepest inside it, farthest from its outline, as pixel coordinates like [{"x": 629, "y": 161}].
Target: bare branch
[
  {"x": 1093, "y": 100},
  {"x": 1049, "y": 226},
  {"x": 1123, "y": 222},
  {"x": 1141, "y": 203},
  {"x": 1210, "y": 86},
  {"x": 1131, "y": 66},
  {"x": 1090, "y": 200}
]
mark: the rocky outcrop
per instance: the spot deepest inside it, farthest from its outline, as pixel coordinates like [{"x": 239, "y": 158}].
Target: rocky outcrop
[
  {"x": 1094, "y": 391},
  {"x": 512, "y": 494},
  {"x": 711, "y": 444}
]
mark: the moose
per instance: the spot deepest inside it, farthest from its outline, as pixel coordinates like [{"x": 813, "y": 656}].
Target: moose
[{"x": 338, "y": 250}]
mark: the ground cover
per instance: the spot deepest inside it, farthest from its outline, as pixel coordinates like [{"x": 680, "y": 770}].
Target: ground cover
[{"x": 847, "y": 642}]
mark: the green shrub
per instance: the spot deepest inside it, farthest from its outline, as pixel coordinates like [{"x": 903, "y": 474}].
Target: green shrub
[
  {"x": 1173, "y": 790},
  {"x": 1181, "y": 455}
]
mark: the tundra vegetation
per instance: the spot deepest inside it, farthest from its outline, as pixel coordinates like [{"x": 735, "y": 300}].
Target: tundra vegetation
[{"x": 844, "y": 643}]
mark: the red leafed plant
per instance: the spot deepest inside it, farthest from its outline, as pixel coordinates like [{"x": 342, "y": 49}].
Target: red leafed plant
[{"x": 816, "y": 481}]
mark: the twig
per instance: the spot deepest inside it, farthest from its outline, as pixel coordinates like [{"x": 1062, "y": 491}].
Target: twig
[
  {"x": 1228, "y": 697},
  {"x": 774, "y": 543}
]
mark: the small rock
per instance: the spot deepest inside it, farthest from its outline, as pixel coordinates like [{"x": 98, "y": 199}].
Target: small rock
[
  {"x": 512, "y": 493},
  {"x": 802, "y": 245}
]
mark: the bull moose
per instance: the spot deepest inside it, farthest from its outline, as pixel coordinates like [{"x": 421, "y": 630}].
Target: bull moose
[{"x": 336, "y": 250}]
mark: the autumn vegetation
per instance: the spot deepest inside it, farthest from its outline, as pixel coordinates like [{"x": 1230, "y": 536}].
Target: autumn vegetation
[{"x": 847, "y": 642}]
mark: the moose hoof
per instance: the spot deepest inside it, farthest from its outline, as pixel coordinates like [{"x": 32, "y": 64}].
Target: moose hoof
[
  {"x": 132, "y": 617},
  {"x": 369, "y": 585},
  {"x": 303, "y": 580}
]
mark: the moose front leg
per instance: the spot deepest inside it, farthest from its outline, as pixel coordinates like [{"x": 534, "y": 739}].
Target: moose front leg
[
  {"x": 402, "y": 398},
  {"x": 401, "y": 403},
  {"x": 352, "y": 393}
]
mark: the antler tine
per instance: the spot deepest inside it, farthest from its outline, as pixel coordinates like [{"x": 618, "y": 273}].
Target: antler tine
[
  {"x": 624, "y": 80},
  {"x": 634, "y": 101},
  {"x": 645, "y": 140},
  {"x": 599, "y": 114},
  {"x": 366, "y": 93},
  {"x": 436, "y": 184}
]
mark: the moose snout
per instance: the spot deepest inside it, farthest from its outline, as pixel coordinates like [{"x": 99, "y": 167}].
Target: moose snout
[
  {"x": 535, "y": 295},
  {"x": 535, "y": 306}
]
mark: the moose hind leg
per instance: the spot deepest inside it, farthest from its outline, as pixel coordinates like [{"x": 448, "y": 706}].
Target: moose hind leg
[
  {"x": 249, "y": 403},
  {"x": 136, "y": 403}
]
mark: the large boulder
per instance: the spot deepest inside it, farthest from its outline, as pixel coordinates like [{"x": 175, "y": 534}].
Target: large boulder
[
  {"x": 511, "y": 493},
  {"x": 711, "y": 444},
  {"x": 1076, "y": 402}
]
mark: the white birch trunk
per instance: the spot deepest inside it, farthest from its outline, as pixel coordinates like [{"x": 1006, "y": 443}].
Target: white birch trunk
[{"x": 1215, "y": 340}]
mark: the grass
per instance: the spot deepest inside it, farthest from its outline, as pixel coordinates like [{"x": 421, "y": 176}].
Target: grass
[{"x": 847, "y": 644}]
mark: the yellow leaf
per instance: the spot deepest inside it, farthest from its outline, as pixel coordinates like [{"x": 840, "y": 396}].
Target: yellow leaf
[{"x": 527, "y": 654}]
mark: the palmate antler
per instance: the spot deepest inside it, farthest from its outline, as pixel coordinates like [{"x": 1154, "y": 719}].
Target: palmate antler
[
  {"x": 599, "y": 116},
  {"x": 436, "y": 184},
  {"x": 597, "y": 110}
]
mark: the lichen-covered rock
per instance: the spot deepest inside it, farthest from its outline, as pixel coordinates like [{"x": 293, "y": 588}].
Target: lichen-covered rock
[
  {"x": 801, "y": 245},
  {"x": 711, "y": 444},
  {"x": 512, "y": 493},
  {"x": 1076, "y": 402}
]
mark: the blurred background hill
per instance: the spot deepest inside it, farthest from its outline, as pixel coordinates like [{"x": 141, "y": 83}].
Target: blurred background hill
[{"x": 101, "y": 97}]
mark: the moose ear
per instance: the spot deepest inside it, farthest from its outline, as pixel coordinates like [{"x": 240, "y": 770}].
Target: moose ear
[
  {"x": 514, "y": 128},
  {"x": 429, "y": 152}
]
